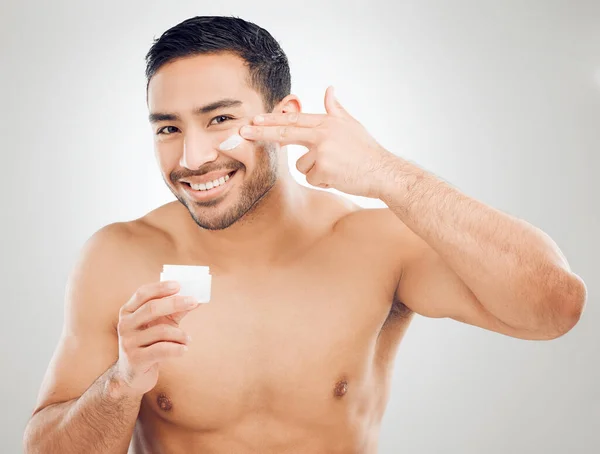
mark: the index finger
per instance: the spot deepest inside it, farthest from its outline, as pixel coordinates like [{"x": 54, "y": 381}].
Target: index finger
[
  {"x": 303, "y": 120},
  {"x": 285, "y": 135},
  {"x": 147, "y": 292}
]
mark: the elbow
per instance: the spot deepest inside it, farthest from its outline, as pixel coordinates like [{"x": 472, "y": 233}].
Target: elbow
[
  {"x": 36, "y": 434},
  {"x": 31, "y": 441},
  {"x": 564, "y": 305}
]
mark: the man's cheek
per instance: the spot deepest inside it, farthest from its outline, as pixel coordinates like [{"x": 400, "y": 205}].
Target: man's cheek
[{"x": 232, "y": 142}]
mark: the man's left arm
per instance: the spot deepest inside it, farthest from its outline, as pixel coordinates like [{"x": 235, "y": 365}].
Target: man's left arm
[
  {"x": 461, "y": 259},
  {"x": 473, "y": 263}
]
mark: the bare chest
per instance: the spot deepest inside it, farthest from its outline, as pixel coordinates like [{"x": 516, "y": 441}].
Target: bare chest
[{"x": 297, "y": 344}]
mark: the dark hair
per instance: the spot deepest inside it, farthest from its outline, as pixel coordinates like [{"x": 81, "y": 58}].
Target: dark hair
[{"x": 268, "y": 68}]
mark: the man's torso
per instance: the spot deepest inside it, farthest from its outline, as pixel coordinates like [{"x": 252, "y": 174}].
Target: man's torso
[{"x": 294, "y": 356}]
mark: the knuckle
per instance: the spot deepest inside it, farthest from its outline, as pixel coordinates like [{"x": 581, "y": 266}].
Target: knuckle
[
  {"x": 139, "y": 294},
  {"x": 320, "y": 135},
  {"x": 123, "y": 325},
  {"x": 127, "y": 345},
  {"x": 133, "y": 355},
  {"x": 283, "y": 131},
  {"x": 176, "y": 304},
  {"x": 180, "y": 302},
  {"x": 153, "y": 308},
  {"x": 150, "y": 353},
  {"x": 161, "y": 350},
  {"x": 292, "y": 117}
]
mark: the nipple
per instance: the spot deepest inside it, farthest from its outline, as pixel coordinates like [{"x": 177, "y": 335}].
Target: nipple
[
  {"x": 164, "y": 403},
  {"x": 340, "y": 389}
]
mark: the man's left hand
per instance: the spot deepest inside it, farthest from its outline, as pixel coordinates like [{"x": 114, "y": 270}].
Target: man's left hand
[{"x": 341, "y": 153}]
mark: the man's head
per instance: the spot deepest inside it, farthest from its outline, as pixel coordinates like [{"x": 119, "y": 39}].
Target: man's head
[{"x": 207, "y": 77}]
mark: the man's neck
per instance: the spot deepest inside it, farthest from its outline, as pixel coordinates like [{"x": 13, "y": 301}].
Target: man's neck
[{"x": 264, "y": 234}]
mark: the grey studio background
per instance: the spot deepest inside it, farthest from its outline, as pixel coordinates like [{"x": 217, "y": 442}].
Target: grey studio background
[{"x": 500, "y": 98}]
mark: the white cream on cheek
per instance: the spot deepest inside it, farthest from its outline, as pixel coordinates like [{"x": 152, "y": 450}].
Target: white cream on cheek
[{"x": 231, "y": 142}]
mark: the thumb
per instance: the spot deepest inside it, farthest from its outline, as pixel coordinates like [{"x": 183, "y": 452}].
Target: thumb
[{"x": 332, "y": 105}]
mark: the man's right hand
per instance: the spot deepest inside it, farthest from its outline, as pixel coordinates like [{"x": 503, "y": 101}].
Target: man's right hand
[{"x": 149, "y": 333}]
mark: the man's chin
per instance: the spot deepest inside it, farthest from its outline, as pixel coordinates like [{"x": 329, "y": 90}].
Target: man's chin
[
  {"x": 213, "y": 217},
  {"x": 215, "y": 223}
]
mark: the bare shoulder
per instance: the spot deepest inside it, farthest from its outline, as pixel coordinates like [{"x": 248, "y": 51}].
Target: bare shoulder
[
  {"x": 381, "y": 239},
  {"x": 378, "y": 231},
  {"x": 377, "y": 226},
  {"x": 111, "y": 266},
  {"x": 100, "y": 270},
  {"x": 114, "y": 261}
]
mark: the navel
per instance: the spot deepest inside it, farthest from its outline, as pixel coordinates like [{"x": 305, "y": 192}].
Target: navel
[
  {"x": 341, "y": 388},
  {"x": 164, "y": 403}
]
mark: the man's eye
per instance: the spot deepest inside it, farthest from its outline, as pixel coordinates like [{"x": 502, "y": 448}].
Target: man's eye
[
  {"x": 225, "y": 117},
  {"x": 160, "y": 131}
]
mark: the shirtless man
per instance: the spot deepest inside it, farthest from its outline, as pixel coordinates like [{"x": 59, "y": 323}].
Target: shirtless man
[{"x": 311, "y": 295}]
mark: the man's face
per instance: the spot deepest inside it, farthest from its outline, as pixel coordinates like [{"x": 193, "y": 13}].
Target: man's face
[{"x": 187, "y": 140}]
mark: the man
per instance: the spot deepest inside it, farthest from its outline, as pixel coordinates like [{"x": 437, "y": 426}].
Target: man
[{"x": 311, "y": 295}]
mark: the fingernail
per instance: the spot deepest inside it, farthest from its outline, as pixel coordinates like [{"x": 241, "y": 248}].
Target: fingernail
[
  {"x": 259, "y": 119},
  {"x": 248, "y": 131},
  {"x": 189, "y": 300},
  {"x": 171, "y": 285}
]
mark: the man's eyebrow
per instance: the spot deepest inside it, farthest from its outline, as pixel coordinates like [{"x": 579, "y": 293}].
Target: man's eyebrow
[{"x": 155, "y": 117}]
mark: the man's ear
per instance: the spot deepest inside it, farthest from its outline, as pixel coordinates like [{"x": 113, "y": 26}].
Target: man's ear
[{"x": 291, "y": 103}]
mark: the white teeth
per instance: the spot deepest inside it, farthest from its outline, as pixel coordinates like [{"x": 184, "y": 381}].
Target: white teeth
[{"x": 210, "y": 184}]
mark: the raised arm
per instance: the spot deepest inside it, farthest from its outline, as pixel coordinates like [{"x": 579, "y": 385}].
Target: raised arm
[
  {"x": 460, "y": 258},
  {"x": 470, "y": 262}
]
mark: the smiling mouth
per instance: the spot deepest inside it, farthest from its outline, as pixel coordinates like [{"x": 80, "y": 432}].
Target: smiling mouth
[{"x": 210, "y": 185}]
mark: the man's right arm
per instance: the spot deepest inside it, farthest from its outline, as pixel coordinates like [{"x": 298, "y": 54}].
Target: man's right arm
[
  {"x": 83, "y": 405},
  {"x": 100, "y": 421},
  {"x": 104, "y": 364}
]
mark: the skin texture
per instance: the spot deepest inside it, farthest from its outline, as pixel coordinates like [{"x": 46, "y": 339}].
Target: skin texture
[{"x": 311, "y": 295}]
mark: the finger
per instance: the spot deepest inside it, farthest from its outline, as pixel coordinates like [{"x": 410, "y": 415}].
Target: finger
[
  {"x": 159, "y": 352},
  {"x": 306, "y": 162},
  {"x": 178, "y": 316},
  {"x": 160, "y": 307},
  {"x": 148, "y": 292},
  {"x": 161, "y": 333},
  {"x": 303, "y": 120},
  {"x": 314, "y": 179},
  {"x": 332, "y": 105},
  {"x": 285, "y": 135}
]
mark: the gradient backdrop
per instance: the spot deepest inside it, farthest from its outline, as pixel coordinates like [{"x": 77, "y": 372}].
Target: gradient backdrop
[{"x": 500, "y": 98}]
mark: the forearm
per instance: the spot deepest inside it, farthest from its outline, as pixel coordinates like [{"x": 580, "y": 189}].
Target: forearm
[
  {"x": 100, "y": 421},
  {"x": 514, "y": 269}
]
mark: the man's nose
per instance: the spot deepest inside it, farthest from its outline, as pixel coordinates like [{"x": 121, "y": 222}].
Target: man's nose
[{"x": 197, "y": 150}]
